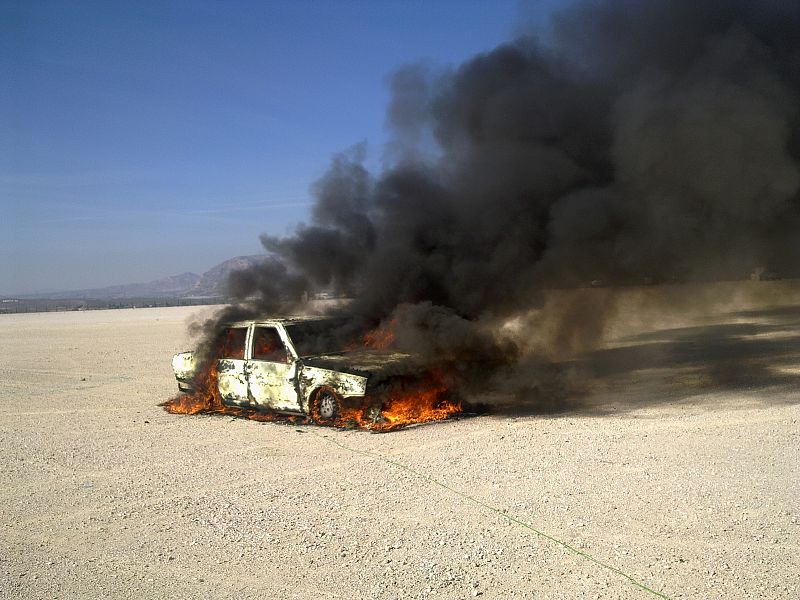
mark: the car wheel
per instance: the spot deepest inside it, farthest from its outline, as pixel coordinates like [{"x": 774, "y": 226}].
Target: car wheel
[{"x": 327, "y": 407}]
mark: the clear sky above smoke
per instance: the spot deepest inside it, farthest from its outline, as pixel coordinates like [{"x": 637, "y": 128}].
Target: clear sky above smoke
[{"x": 146, "y": 139}]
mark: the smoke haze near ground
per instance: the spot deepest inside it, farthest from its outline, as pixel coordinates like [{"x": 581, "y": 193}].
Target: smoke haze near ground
[{"x": 632, "y": 143}]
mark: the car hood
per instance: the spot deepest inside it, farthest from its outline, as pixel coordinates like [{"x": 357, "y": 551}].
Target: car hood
[{"x": 364, "y": 362}]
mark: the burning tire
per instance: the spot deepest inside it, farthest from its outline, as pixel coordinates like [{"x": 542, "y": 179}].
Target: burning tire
[{"x": 326, "y": 407}]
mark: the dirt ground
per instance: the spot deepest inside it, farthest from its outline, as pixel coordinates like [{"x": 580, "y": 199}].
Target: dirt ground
[{"x": 678, "y": 468}]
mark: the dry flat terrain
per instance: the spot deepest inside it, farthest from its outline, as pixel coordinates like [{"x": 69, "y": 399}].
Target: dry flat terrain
[{"x": 678, "y": 469}]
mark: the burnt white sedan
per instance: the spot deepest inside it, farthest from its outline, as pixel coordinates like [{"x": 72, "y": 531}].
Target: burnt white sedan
[{"x": 282, "y": 365}]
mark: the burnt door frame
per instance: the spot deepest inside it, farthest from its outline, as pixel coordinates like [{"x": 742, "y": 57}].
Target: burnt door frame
[{"x": 272, "y": 384}]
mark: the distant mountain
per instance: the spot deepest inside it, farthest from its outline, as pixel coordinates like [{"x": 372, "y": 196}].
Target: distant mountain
[
  {"x": 213, "y": 281},
  {"x": 210, "y": 284}
]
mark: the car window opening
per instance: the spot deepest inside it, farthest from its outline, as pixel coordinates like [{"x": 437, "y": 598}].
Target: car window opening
[
  {"x": 232, "y": 342},
  {"x": 317, "y": 337},
  {"x": 267, "y": 345}
]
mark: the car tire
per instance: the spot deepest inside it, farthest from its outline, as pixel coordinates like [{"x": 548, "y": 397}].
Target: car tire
[{"x": 327, "y": 407}]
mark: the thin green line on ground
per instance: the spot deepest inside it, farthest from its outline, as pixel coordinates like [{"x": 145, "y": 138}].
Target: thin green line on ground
[{"x": 500, "y": 512}]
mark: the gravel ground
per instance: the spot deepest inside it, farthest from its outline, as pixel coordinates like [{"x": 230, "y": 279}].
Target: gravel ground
[{"x": 680, "y": 469}]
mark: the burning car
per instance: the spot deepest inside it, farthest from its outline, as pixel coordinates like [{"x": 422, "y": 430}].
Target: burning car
[{"x": 290, "y": 366}]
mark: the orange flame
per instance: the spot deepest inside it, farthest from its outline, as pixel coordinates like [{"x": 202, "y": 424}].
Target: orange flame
[
  {"x": 204, "y": 399},
  {"x": 428, "y": 398},
  {"x": 381, "y": 337}
]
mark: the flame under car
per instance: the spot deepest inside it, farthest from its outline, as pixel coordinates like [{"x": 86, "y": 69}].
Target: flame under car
[{"x": 283, "y": 366}]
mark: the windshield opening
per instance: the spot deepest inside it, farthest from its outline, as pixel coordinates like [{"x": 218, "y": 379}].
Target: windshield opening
[{"x": 317, "y": 337}]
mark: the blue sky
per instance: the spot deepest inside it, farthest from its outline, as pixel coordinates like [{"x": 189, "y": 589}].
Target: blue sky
[{"x": 145, "y": 139}]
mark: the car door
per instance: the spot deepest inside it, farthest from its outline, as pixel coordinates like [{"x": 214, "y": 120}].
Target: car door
[
  {"x": 272, "y": 371},
  {"x": 231, "y": 379}
]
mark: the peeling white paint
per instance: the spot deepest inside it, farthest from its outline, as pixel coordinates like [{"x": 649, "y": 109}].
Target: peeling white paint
[{"x": 286, "y": 386}]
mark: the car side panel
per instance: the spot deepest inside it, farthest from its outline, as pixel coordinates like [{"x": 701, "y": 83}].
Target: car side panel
[
  {"x": 232, "y": 381},
  {"x": 273, "y": 385},
  {"x": 344, "y": 384}
]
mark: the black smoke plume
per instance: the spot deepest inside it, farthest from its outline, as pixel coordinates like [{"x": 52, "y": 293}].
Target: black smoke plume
[{"x": 630, "y": 143}]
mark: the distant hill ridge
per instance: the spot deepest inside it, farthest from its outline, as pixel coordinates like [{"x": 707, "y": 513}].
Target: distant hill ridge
[{"x": 210, "y": 284}]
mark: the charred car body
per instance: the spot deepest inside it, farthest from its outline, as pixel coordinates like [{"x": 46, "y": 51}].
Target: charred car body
[{"x": 285, "y": 366}]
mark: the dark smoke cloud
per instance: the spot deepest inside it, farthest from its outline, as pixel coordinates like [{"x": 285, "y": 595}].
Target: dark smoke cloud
[{"x": 642, "y": 142}]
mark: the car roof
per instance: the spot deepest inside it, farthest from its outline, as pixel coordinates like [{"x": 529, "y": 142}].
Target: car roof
[{"x": 291, "y": 320}]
